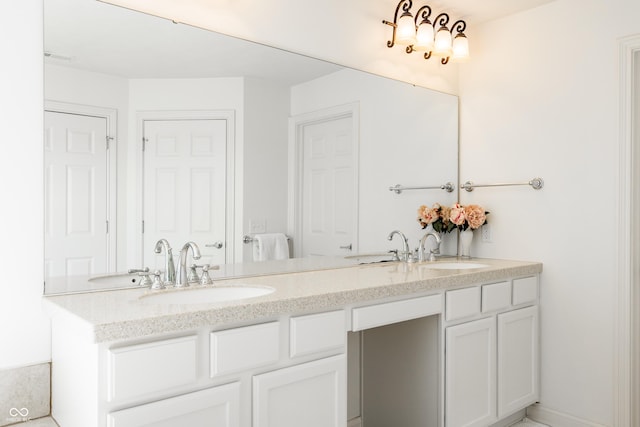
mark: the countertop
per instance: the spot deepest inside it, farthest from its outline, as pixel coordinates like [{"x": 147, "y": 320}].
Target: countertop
[{"x": 124, "y": 314}]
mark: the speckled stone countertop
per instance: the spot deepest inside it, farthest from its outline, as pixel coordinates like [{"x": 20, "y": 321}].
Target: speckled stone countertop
[{"x": 124, "y": 314}]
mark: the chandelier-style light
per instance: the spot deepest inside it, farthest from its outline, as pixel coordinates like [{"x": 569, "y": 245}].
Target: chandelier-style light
[{"x": 432, "y": 38}]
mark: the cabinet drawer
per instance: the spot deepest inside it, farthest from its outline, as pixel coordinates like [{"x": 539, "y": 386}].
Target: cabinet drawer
[
  {"x": 394, "y": 312},
  {"x": 462, "y": 303},
  {"x": 496, "y": 296},
  {"x": 146, "y": 368},
  {"x": 317, "y": 332},
  {"x": 525, "y": 290},
  {"x": 238, "y": 349},
  {"x": 217, "y": 406}
]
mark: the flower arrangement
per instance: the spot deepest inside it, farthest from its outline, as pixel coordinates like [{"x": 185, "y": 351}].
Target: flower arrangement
[{"x": 444, "y": 219}]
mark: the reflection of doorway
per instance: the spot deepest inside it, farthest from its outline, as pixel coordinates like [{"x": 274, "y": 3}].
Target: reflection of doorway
[
  {"x": 185, "y": 187},
  {"x": 326, "y": 187},
  {"x": 79, "y": 167}
]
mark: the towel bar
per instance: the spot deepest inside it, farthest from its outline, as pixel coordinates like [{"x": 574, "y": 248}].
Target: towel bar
[{"x": 248, "y": 239}]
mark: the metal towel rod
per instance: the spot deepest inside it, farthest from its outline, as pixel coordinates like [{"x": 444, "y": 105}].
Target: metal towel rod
[
  {"x": 248, "y": 239},
  {"x": 535, "y": 183},
  {"x": 399, "y": 188}
]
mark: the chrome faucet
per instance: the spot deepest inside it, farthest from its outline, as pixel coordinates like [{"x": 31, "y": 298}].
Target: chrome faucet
[
  {"x": 405, "y": 255},
  {"x": 169, "y": 278},
  {"x": 432, "y": 252},
  {"x": 182, "y": 279}
]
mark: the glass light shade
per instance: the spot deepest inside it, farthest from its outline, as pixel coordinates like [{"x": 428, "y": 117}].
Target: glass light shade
[
  {"x": 460, "y": 47},
  {"x": 442, "y": 43},
  {"x": 424, "y": 37},
  {"x": 406, "y": 30}
]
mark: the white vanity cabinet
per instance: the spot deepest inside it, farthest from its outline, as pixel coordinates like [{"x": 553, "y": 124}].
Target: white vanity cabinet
[
  {"x": 491, "y": 356},
  {"x": 311, "y": 394},
  {"x": 289, "y": 371}
]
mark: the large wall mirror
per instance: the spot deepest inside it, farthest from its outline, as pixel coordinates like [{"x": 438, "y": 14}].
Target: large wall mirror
[{"x": 161, "y": 130}]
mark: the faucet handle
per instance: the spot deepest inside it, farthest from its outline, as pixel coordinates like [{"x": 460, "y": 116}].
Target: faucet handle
[
  {"x": 193, "y": 273},
  {"x": 206, "y": 279},
  {"x": 157, "y": 283},
  {"x": 146, "y": 279}
]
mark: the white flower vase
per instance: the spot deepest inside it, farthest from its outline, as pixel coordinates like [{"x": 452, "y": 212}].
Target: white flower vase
[{"x": 466, "y": 237}]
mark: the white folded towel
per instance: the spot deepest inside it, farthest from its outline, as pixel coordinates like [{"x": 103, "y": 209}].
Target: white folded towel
[{"x": 270, "y": 246}]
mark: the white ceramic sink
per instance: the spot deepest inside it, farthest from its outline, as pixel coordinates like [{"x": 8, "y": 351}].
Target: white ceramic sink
[
  {"x": 370, "y": 257},
  {"x": 206, "y": 295},
  {"x": 118, "y": 279},
  {"x": 455, "y": 265}
]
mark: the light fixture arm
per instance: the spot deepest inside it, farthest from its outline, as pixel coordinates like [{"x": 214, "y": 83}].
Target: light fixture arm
[
  {"x": 406, "y": 6},
  {"x": 443, "y": 19},
  {"x": 459, "y": 26},
  {"x": 425, "y": 12}
]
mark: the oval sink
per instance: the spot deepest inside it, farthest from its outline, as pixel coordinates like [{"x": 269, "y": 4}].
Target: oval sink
[
  {"x": 455, "y": 265},
  {"x": 206, "y": 295},
  {"x": 370, "y": 258},
  {"x": 117, "y": 279}
]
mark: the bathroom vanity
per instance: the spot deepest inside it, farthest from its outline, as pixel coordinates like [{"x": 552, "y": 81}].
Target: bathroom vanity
[{"x": 369, "y": 345}]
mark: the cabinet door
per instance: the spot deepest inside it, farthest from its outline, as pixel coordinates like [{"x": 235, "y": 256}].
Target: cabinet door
[
  {"x": 517, "y": 360},
  {"x": 217, "y": 406},
  {"x": 470, "y": 378},
  {"x": 312, "y": 394}
]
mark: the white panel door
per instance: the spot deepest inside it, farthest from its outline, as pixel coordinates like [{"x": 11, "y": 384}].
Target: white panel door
[
  {"x": 328, "y": 188},
  {"x": 313, "y": 394},
  {"x": 76, "y": 205},
  {"x": 184, "y": 187},
  {"x": 517, "y": 360},
  {"x": 470, "y": 374},
  {"x": 217, "y": 406}
]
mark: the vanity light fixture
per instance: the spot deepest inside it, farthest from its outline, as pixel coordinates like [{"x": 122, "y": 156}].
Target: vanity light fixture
[{"x": 433, "y": 38}]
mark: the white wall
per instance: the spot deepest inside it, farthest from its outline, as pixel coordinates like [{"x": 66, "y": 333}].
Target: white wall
[
  {"x": 539, "y": 98},
  {"x": 408, "y": 136},
  {"x": 265, "y": 158},
  {"x": 24, "y": 329}
]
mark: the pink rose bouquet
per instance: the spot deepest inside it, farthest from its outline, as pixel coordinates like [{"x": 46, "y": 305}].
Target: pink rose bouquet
[{"x": 444, "y": 219}]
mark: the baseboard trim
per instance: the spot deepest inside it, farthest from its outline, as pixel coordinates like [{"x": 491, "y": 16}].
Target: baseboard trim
[
  {"x": 557, "y": 419},
  {"x": 355, "y": 422}
]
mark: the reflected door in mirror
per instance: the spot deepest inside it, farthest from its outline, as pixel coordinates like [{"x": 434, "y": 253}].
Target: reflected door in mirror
[
  {"x": 76, "y": 203},
  {"x": 329, "y": 187},
  {"x": 184, "y": 187}
]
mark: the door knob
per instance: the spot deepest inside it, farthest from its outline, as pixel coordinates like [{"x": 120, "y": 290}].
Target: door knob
[
  {"x": 217, "y": 245},
  {"x": 347, "y": 247}
]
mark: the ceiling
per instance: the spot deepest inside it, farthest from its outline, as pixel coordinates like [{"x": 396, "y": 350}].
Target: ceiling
[{"x": 99, "y": 37}]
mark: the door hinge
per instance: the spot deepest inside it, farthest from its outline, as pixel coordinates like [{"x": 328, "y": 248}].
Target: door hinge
[
  {"x": 109, "y": 139},
  {"x": 142, "y": 226},
  {"x": 144, "y": 143},
  {"x": 107, "y": 221}
]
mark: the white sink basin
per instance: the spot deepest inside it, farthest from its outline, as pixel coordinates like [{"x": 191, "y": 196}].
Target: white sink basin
[
  {"x": 206, "y": 295},
  {"x": 118, "y": 279},
  {"x": 370, "y": 258},
  {"x": 455, "y": 265}
]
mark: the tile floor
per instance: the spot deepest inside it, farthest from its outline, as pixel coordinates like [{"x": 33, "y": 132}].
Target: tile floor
[
  {"x": 528, "y": 423},
  {"x": 40, "y": 422}
]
